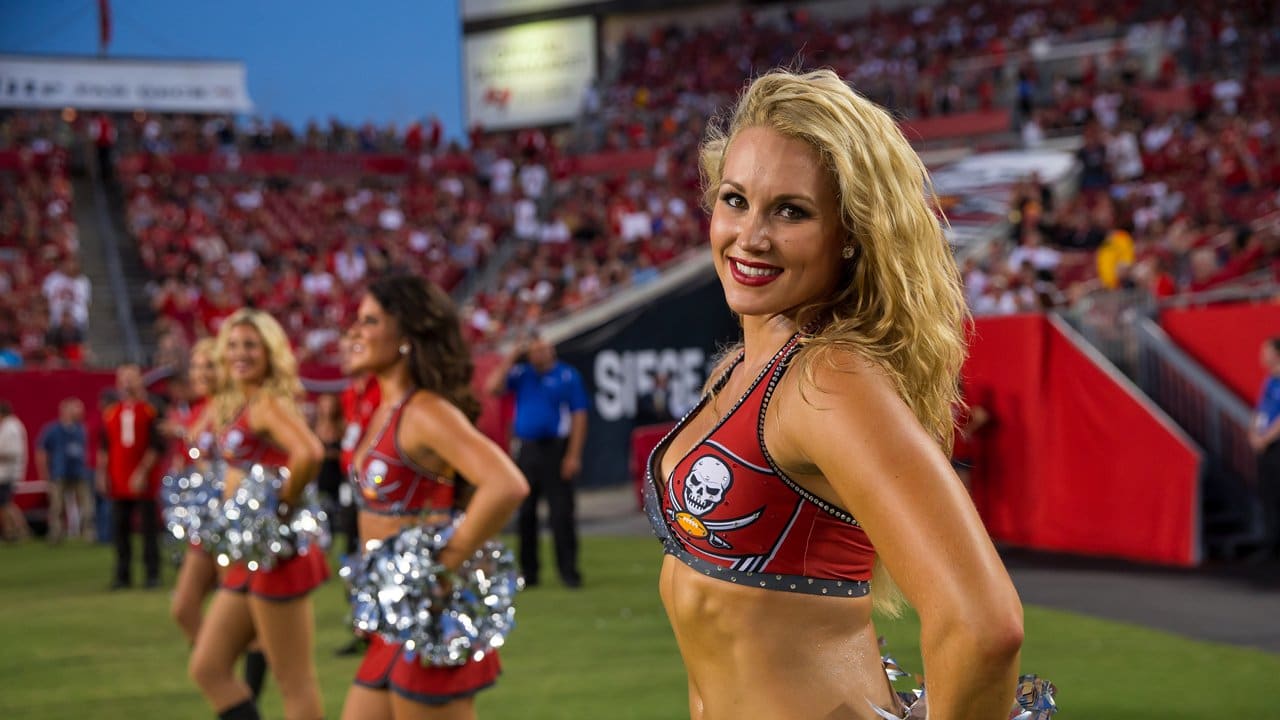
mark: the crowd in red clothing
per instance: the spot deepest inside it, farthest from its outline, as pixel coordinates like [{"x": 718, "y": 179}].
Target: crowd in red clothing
[
  {"x": 43, "y": 294},
  {"x": 1172, "y": 198},
  {"x": 300, "y": 248},
  {"x": 179, "y": 134}
]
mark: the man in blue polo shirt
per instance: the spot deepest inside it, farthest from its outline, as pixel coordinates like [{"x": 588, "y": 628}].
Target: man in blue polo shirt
[
  {"x": 1265, "y": 439},
  {"x": 550, "y": 431},
  {"x": 62, "y": 464}
]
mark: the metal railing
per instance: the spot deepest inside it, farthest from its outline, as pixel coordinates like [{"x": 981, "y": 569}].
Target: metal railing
[
  {"x": 131, "y": 342},
  {"x": 1218, "y": 421},
  {"x": 1258, "y": 286},
  {"x": 1107, "y": 320}
]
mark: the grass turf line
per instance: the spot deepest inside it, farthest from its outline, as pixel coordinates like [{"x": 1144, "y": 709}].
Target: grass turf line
[{"x": 72, "y": 648}]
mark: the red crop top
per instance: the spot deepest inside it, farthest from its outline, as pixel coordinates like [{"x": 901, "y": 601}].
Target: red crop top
[
  {"x": 242, "y": 448},
  {"x": 728, "y": 511},
  {"x": 390, "y": 483}
]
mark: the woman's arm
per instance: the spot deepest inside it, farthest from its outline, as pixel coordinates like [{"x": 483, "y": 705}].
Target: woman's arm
[
  {"x": 857, "y": 434},
  {"x": 496, "y": 384},
  {"x": 432, "y": 422},
  {"x": 284, "y": 425}
]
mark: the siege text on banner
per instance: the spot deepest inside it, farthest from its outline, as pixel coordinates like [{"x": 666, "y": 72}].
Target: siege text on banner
[
  {"x": 125, "y": 85},
  {"x": 676, "y": 337}
]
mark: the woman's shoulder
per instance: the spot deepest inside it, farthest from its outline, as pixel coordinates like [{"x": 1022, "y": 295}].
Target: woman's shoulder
[
  {"x": 835, "y": 368},
  {"x": 427, "y": 406},
  {"x": 265, "y": 406},
  {"x": 830, "y": 381}
]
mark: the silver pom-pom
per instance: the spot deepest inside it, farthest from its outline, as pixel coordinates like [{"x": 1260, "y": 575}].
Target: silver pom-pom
[
  {"x": 1034, "y": 696},
  {"x": 1035, "y": 699},
  {"x": 398, "y": 590},
  {"x": 256, "y": 528},
  {"x": 192, "y": 501}
]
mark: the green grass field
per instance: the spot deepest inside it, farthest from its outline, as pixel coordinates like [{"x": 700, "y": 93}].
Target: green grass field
[{"x": 73, "y": 650}]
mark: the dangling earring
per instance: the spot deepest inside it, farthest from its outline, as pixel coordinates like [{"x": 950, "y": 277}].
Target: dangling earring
[
  {"x": 404, "y": 348},
  {"x": 848, "y": 251}
]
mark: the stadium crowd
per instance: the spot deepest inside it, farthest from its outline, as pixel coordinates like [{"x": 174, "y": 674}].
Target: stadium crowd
[
  {"x": 1174, "y": 195},
  {"x": 44, "y": 296}
]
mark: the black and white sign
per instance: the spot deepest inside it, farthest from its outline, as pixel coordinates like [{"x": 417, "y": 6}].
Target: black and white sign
[
  {"x": 487, "y": 9},
  {"x": 123, "y": 85},
  {"x": 533, "y": 74},
  {"x": 679, "y": 335}
]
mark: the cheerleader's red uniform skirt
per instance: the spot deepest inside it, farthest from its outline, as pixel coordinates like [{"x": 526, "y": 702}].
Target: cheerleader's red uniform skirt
[
  {"x": 289, "y": 579},
  {"x": 386, "y": 668}
]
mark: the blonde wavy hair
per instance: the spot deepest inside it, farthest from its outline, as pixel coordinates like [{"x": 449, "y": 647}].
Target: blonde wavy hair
[
  {"x": 282, "y": 367},
  {"x": 900, "y": 303}
]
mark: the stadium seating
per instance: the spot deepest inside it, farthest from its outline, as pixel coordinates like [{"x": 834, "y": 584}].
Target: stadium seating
[
  {"x": 227, "y": 212},
  {"x": 40, "y": 282}
]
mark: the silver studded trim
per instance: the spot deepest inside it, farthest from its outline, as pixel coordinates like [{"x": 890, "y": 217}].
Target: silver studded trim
[
  {"x": 770, "y": 581},
  {"x": 823, "y": 505}
]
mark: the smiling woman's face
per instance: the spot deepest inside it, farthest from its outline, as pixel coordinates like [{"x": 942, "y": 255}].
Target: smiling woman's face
[
  {"x": 373, "y": 341},
  {"x": 246, "y": 355},
  {"x": 775, "y": 233}
]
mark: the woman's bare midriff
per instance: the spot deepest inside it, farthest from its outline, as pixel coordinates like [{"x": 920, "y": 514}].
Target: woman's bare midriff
[
  {"x": 766, "y": 654},
  {"x": 381, "y": 527}
]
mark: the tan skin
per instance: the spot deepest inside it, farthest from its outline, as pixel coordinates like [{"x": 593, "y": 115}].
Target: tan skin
[
  {"x": 753, "y": 653},
  {"x": 285, "y": 629},
  {"x": 438, "y": 437},
  {"x": 198, "y": 575}
]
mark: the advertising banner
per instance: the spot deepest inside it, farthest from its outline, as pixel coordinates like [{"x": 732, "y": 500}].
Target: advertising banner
[
  {"x": 1227, "y": 341},
  {"x": 1074, "y": 459},
  {"x": 489, "y": 9},
  {"x": 534, "y": 74},
  {"x": 123, "y": 85}
]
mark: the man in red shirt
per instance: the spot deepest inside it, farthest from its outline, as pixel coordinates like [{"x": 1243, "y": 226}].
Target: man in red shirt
[
  {"x": 359, "y": 401},
  {"x": 129, "y": 473}
]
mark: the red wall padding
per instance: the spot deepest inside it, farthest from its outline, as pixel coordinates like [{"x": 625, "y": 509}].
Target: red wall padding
[
  {"x": 1075, "y": 462},
  {"x": 1225, "y": 339},
  {"x": 35, "y": 395}
]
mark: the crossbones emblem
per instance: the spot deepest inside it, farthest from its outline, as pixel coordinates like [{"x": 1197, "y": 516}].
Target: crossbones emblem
[
  {"x": 375, "y": 480},
  {"x": 704, "y": 488}
]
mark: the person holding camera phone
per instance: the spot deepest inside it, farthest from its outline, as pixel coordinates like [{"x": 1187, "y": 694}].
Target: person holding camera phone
[{"x": 550, "y": 432}]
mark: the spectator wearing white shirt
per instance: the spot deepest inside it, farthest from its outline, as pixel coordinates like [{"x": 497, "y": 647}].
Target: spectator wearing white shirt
[
  {"x": 1033, "y": 251},
  {"x": 555, "y": 232},
  {"x": 1123, "y": 154},
  {"x": 318, "y": 282},
  {"x": 1157, "y": 135},
  {"x": 350, "y": 263},
  {"x": 68, "y": 291},
  {"x": 13, "y": 468},
  {"x": 533, "y": 180},
  {"x": 526, "y": 222},
  {"x": 501, "y": 173},
  {"x": 245, "y": 262}
]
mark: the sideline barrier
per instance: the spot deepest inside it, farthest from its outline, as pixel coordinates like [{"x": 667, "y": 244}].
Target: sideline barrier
[
  {"x": 34, "y": 395},
  {"x": 1225, "y": 339},
  {"x": 1078, "y": 461}
]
